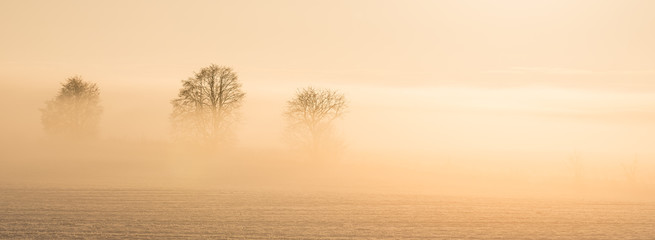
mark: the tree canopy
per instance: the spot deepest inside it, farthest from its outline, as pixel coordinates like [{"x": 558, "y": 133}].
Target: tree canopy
[
  {"x": 310, "y": 116},
  {"x": 207, "y": 105},
  {"x": 75, "y": 111}
]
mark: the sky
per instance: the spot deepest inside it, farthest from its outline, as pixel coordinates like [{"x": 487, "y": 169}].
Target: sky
[{"x": 458, "y": 78}]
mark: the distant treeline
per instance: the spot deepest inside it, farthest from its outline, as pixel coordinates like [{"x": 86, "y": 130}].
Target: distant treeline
[{"x": 204, "y": 112}]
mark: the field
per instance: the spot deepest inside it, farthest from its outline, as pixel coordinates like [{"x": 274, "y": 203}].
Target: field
[{"x": 227, "y": 214}]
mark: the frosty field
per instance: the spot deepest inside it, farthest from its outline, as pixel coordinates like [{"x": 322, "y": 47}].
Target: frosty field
[{"x": 223, "y": 214}]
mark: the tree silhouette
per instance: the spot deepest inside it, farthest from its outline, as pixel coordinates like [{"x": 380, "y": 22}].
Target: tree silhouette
[
  {"x": 310, "y": 116},
  {"x": 207, "y": 104},
  {"x": 75, "y": 111}
]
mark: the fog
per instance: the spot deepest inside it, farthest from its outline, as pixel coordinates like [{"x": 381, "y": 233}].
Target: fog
[
  {"x": 461, "y": 142},
  {"x": 449, "y": 105}
]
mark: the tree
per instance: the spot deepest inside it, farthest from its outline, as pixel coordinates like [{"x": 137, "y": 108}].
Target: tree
[
  {"x": 207, "y": 105},
  {"x": 75, "y": 111},
  {"x": 310, "y": 115}
]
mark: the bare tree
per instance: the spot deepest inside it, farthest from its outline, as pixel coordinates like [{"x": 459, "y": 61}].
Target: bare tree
[
  {"x": 75, "y": 111},
  {"x": 310, "y": 115},
  {"x": 207, "y": 104}
]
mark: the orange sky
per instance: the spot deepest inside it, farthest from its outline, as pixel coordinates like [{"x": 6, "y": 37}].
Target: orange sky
[{"x": 432, "y": 76}]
